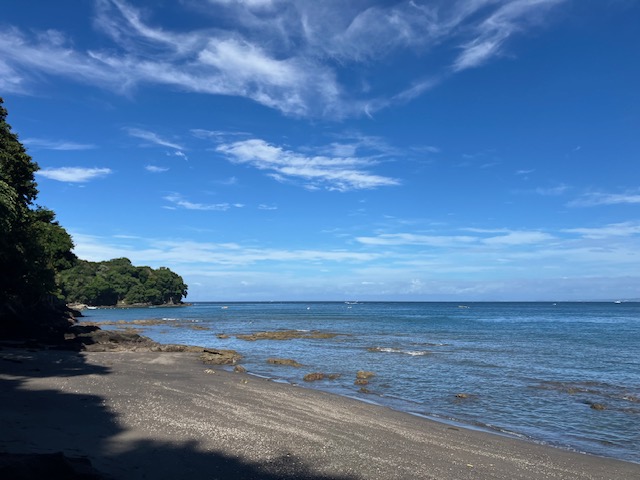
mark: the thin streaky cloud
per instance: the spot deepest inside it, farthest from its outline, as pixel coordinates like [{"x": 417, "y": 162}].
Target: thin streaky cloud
[
  {"x": 505, "y": 239},
  {"x": 552, "y": 191},
  {"x": 493, "y": 31},
  {"x": 518, "y": 238},
  {"x": 596, "y": 199},
  {"x": 284, "y": 55},
  {"x": 64, "y": 145},
  {"x": 397, "y": 239},
  {"x": 73, "y": 174},
  {"x": 178, "y": 201},
  {"x": 624, "y": 229},
  {"x": 153, "y": 138},
  {"x": 188, "y": 252}
]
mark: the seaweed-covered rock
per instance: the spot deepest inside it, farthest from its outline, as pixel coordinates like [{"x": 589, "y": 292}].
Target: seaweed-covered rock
[
  {"x": 312, "y": 377},
  {"x": 364, "y": 375},
  {"x": 285, "y": 335},
  {"x": 361, "y": 381},
  {"x": 240, "y": 369},
  {"x": 220, "y": 357},
  {"x": 284, "y": 361}
]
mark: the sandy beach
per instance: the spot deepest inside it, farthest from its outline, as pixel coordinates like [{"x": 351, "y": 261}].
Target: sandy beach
[{"x": 138, "y": 415}]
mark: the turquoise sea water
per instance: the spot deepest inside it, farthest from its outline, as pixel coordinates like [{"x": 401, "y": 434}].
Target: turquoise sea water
[{"x": 532, "y": 370}]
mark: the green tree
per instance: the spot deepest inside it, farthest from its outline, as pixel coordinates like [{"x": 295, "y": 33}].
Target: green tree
[
  {"x": 32, "y": 244},
  {"x": 117, "y": 281}
]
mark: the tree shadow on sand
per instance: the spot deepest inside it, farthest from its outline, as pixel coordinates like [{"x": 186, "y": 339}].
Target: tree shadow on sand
[{"x": 62, "y": 416}]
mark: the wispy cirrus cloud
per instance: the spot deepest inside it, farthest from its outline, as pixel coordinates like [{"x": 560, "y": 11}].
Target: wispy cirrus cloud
[
  {"x": 64, "y": 145},
  {"x": 154, "y": 138},
  {"x": 623, "y": 229},
  {"x": 492, "y": 31},
  {"x": 74, "y": 174},
  {"x": 506, "y": 238},
  {"x": 552, "y": 191},
  {"x": 314, "y": 171},
  {"x": 178, "y": 201},
  {"x": 285, "y": 54},
  {"x": 397, "y": 239},
  {"x": 189, "y": 252},
  {"x": 598, "y": 198}
]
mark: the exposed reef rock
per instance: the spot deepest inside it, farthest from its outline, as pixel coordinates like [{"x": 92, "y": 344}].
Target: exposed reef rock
[
  {"x": 286, "y": 335},
  {"x": 220, "y": 357},
  {"x": 284, "y": 361},
  {"x": 312, "y": 377}
]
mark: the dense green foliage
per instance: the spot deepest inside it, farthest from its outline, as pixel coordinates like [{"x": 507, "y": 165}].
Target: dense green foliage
[
  {"x": 118, "y": 281},
  {"x": 38, "y": 270},
  {"x": 33, "y": 246}
]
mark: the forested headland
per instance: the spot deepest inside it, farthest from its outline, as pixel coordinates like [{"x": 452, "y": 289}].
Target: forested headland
[
  {"x": 117, "y": 281},
  {"x": 39, "y": 273}
]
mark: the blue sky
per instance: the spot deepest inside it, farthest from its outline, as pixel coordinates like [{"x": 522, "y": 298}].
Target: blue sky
[{"x": 328, "y": 150}]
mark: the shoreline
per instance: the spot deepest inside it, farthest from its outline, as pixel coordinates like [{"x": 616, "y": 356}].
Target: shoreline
[
  {"x": 166, "y": 415},
  {"x": 560, "y": 438}
]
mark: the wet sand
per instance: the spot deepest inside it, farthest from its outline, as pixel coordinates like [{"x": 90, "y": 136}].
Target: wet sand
[{"x": 141, "y": 415}]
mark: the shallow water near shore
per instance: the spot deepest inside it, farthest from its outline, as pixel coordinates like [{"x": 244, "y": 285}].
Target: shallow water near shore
[{"x": 565, "y": 374}]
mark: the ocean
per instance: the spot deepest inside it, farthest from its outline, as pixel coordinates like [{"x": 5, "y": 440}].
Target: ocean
[{"x": 562, "y": 374}]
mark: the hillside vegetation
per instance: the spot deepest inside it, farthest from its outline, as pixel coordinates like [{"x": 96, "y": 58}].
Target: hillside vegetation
[
  {"x": 119, "y": 282},
  {"x": 39, "y": 272}
]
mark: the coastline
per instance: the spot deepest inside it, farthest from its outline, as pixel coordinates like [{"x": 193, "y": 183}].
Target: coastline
[{"x": 166, "y": 415}]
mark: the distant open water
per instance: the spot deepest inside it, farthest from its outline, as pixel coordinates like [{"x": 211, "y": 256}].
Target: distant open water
[{"x": 532, "y": 370}]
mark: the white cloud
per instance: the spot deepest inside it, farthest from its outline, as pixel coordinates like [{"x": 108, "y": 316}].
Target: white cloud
[
  {"x": 595, "y": 199},
  {"x": 190, "y": 253},
  {"x": 154, "y": 138},
  {"x": 263, "y": 206},
  {"x": 491, "y": 33},
  {"x": 56, "y": 144},
  {"x": 74, "y": 174},
  {"x": 552, "y": 191},
  {"x": 509, "y": 238},
  {"x": 518, "y": 238},
  {"x": 283, "y": 54},
  {"x": 390, "y": 239},
  {"x": 178, "y": 201},
  {"x": 333, "y": 173},
  {"x": 156, "y": 169},
  {"x": 623, "y": 229}
]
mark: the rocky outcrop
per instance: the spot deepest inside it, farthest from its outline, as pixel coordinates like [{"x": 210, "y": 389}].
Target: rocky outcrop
[
  {"x": 284, "y": 361},
  {"x": 315, "y": 376},
  {"x": 220, "y": 357},
  {"x": 286, "y": 335}
]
